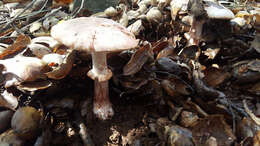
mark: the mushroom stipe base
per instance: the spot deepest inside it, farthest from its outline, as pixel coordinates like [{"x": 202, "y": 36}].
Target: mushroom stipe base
[{"x": 102, "y": 106}]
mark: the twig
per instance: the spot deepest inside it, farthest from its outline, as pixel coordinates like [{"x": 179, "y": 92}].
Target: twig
[
  {"x": 251, "y": 114},
  {"x": 79, "y": 9},
  {"x": 19, "y": 14},
  {"x": 44, "y": 5},
  {"x": 26, "y": 16},
  {"x": 23, "y": 28},
  {"x": 46, "y": 16}
]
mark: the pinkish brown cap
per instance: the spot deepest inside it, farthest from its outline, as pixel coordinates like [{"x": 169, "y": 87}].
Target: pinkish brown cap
[{"x": 94, "y": 34}]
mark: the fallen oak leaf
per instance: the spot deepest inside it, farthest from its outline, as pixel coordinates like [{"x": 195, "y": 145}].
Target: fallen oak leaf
[
  {"x": 18, "y": 46},
  {"x": 138, "y": 59}
]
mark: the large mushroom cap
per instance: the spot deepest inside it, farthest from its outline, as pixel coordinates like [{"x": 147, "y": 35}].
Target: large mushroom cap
[
  {"x": 93, "y": 34},
  {"x": 217, "y": 11}
]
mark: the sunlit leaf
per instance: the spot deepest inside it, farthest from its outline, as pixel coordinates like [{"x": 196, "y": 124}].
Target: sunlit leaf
[{"x": 18, "y": 46}]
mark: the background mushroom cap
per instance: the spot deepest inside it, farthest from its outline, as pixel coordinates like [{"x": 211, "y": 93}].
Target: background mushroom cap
[
  {"x": 217, "y": 11},
  {"x": 93, "y": 34}
]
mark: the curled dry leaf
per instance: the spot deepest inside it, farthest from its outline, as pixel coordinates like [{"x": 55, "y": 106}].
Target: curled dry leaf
[
  {"x": 201, "y": 88},
  {"x": 167, "y": 51},
  {"x": 18, "y": 46},
  {"x": 9, "y": 137},
  {"x": 8, "y": 100},
  {"x": 124, "y": 20},
  {"x": 23, "y": 69},
  {"x": 34, "y": 86},
  {"x": 35, "y": 27},
  {"x": 163, "y": 3},
  {"x": 247, "y": 71},
  {"x": 211, "y": 53},
  {"x": 134, "y": 84},
  {"x": 141, "y": 10},
  {"x": 214, "y": 76},
  {"x": 46, "y": 40},
  {"x": 191, "y": 52},
  {"x": 213, "y": 126},
  {"x": 154, "y": 15},
  {"x": 238, "y": 23},
  {"x": 175, "y": 87},
  {"x": 138, "y": 59},
  {"x": 111, "y": 12},
  {"x": 246, "y": 128},
  {"x": 168, "y": 65},
  {"x": 39, "y": 50},
  {"x": 176, "y": 6},
  {"x": 60, "y": 64},
  {"x": 136, "y": 27},
  {"x": 160, "y": 45}
]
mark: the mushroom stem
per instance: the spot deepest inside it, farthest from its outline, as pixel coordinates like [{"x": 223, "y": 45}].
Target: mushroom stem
[
  {"x": 102, "y": 107},
  {"x": 99, "y": 61},
  {"x": 99, "y": 69},
  {"x": 195, "y": 32}
]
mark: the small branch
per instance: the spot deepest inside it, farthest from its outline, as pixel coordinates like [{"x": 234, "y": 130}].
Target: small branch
[
  {"x": 46, "y": 16},
  {"x": 78, "y": 9},
  {"x": 19, "y": 14},
  {"x": 251, "y": 114}
]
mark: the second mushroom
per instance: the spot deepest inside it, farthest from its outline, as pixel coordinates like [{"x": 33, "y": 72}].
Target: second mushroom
[{"x": 97, "y": 36}]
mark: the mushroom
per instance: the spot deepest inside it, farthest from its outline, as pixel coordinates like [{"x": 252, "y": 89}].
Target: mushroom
[
  {"x": 201, "y": 10},
  {"x": 97, "y": 36}
]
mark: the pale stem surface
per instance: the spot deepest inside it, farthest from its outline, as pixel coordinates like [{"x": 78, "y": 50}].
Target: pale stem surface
[{"x": 102, "y": 105}]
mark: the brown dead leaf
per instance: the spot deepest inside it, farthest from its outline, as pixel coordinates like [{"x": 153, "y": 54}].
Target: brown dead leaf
[
  {"x": 257, "y": 139},
  {"x": 138, "y": 59},
  {"x": 213, "y": 126},
  {"x": 167, "y": 51},
  {"x": 246, "y": 128},
  {"x": 175, "y": 87},
  {"x": 255, "y": 89},
  {"x": 18, "y": 46},
  {"x": 214, "y": 76},
  {"x": 34, "y": 86},
  {"x": 6, "y": 32},
  {"x": 211, "y": 53},
  {"x": 192, "y": 52},
  {"x": 159, "y": 45},
  {"x": 62, "y": 2}
]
